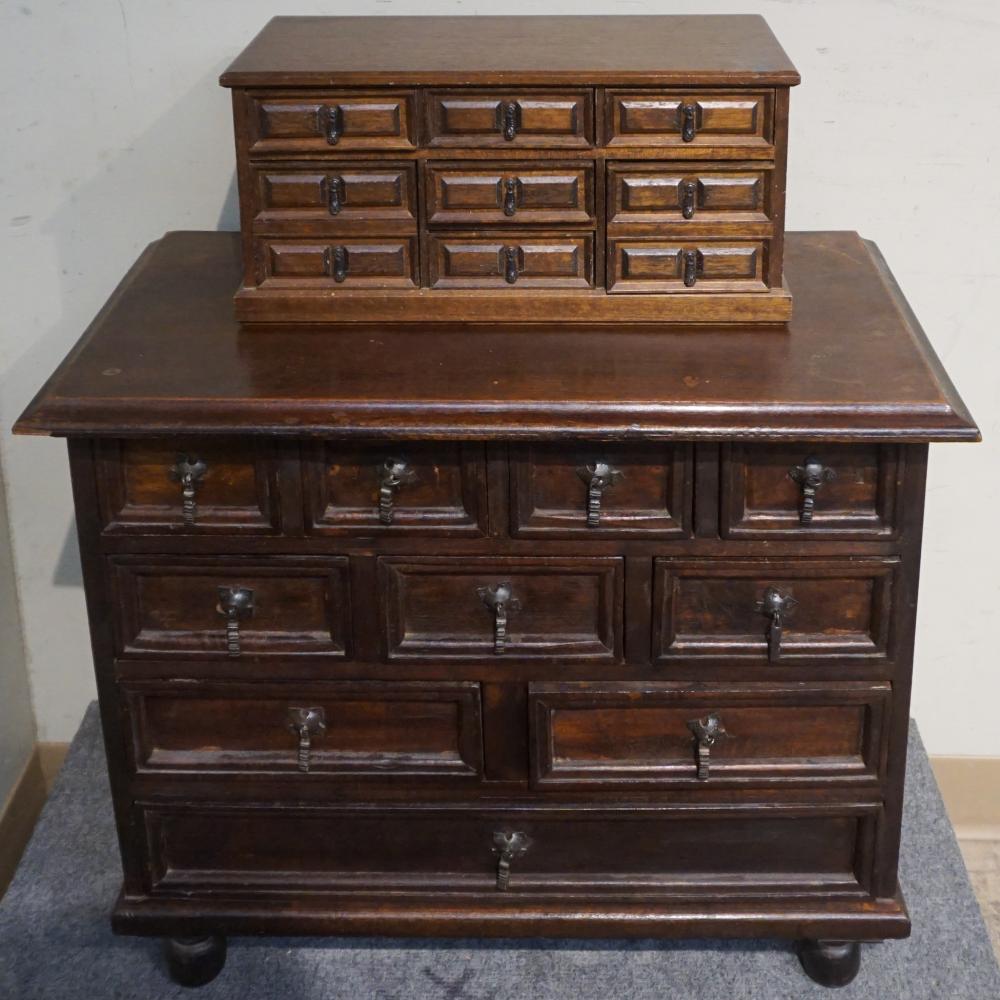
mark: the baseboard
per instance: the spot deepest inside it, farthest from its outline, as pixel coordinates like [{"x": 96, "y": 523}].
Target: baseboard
[
  {"x": 18, "y": 817},
  {"x": 51, "y": 757},
  {"x": 970, "y": 787}
]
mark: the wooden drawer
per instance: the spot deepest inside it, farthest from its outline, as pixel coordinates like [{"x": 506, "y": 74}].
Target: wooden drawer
[
  {"x": 350, "y": 262},
  {"x": 193, "y": 606},
  {"x": 819, "y": 850},
  {"x": 602, "y": 734},
  {"x": 690, "y": 119},
  {"x": 339, "y": 196},
  {"x": 360, "y": 729},
  {"x": 187, "y": 486},
  {"x": 331, "y": 122},
  {"x": 601, "y": 490},
  {"x": 685, "y": 266},
  {"x": 803, "y": 490},
  {"x": 510, "y": 194},
  {"x": 510, "y": 119},
  {"x": 556, "y": 609},
  {"x": 652, "y": 195},
  {"x": 723, "y": 609},
  {"x": 403, "y": 488},
  {"x": 511, "y": 260}
]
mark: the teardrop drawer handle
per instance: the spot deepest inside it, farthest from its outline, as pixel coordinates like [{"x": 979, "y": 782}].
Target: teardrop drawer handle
[
  {"x": 511, "y": 187},
  {"x": 688, "y": 113},
  {"x": 599, "y": 477},
  {"x": 690, "y": 260},
  {"x": 508, "y": 845},
  {"x": 511, "y": 264},
  {"x": 810, "y": 477},
  {"x": 510, "y": 119},
  {"x": 306, "y": 723},
  {"x": 392, "y": 474},
  {"x": 188, "y": 471},
  {"x": 337, "y": 263},
  {"x": 332, "y": 122},
  {"x": 777, "y": 607},
  {"x": 501, "y": 600},
  {"x": 689, "y": 197},
  {"x": 336, "y": 198},
  {"x": 235, "y": 604},
  {"x": 706, "y": 732}
]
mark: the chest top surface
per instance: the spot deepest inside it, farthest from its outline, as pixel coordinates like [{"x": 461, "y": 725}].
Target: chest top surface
[
  {"x": 166, "y": 355},
  {"x": 309, "y": 51}
]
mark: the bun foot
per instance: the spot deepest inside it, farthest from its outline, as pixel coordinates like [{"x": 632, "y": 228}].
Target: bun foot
[
  {"x": 194, "y": 961},
  {"x": 830, "y": 963}
]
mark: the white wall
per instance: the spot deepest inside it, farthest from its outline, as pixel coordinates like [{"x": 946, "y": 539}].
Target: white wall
[{"x": 114, "y": 130}]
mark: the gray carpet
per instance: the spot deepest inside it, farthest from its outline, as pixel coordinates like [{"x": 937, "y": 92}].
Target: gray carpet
[{"x": 55, "y": 943}]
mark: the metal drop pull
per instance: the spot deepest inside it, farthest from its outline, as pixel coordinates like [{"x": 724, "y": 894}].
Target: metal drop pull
[
  {"x": 511, "y": 185},
  {"x": 235, "y": 604},
  {"x": 777, "y": 607},
  {"x": 392, "y": 474},
  {"x": 508, "y": 845},
  {"x": 690, "y": 259},
  {"x": 689, "y": 197},
  {"x": 511, "y": 263},
  {"x": 510, "y": 119},
  {"x": 501, "y": 600},
  {"x": 810, "y": 477},
  {"x": 306, "y": 723},
  {"x": 336, "y": 194},
  {"x": 688, "y": 113},
  {"x": 332, "y": 122},
  {"x": 706, "y": 732},
  {"x": 337, "y": 262},
  {"x": 188, "y": 470},
  {"x": 599, "y": 477}
]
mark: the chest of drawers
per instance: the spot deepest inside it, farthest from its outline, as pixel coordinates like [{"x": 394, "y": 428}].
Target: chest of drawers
[
  {"x": 591, "y": 169},
  {"x": 443, "y": 631}
]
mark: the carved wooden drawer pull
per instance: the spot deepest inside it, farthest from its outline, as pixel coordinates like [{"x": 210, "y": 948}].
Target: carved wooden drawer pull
[
  {"x": 706, "y": 732},
  {"x": 508, "y": 845},
  {"x": 188, "y": 471},
  {"x": 810, "y": 477},
  {"x": 688, "y": 113},
  {"x": 599, "y": 477},
  {"x": 306, "y": 723},
  {"x": 332, "y": 123},
  {"x": 392, "y": 474},
  {"x": 235, "y": 604},
  {"x": 335, "y": 186},
  {"x": 500, "y": 598},
  {"x": 777, "y": 607},
  {"x": 510, "y": 119}
]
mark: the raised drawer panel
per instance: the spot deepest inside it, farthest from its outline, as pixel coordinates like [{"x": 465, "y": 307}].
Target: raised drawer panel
[
  {"x": 685, "y": 119},
  {"x": 332, "y": 122},
  {"x": 819, "y": 852},
  {"x": 510, "y": 119},
  {"x": 511, "y": 261},
  {"x": 351, "y": 262},
  {"x": 802, "y": 490},
  {"x": 342, "y": 196},
  {"x": 361, "y": 729},
  {"x": 403, "y": 488},
  {"x": 719, "y": 609},
  {"x": 187, "y": 486},
  {"x": 179, "y": 606},
  {"x": 618, "y": 734},
  {"x": 646, "y": 265},
  {"x": 557, "y": 609},
  {"x": 511, "y": 193},
  {"x": 601, "y": 490}
]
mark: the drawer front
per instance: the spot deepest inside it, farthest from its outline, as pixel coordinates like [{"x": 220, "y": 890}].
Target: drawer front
[
  {"x": 819, "y": 850},
  {"x": 674, "y": 193},
  {"x": 483, "y": 608},
  {"x": 404, "y": 488},
  {"x": 734, "y": 736},
  {"x": 332, "y": 122},
  {"x": 187, "y": 486},
  {"x": 510, "y": 194},
  {"x": 645, "y": 265},
  {"x": 773, "y": 610},
  {"x": 601, "y": 490},
  {"x": 510, "y": 119},
  {"x": 351, "y": 262},
  {"x": 361, "y": 729},
  {"x": 803, "y": 490},
  {"x": 222, "y": 606},
  {"x": 684, "y": 119},
  {"x": 341, "y": 196},
  {"x": 511, "y": 261}
]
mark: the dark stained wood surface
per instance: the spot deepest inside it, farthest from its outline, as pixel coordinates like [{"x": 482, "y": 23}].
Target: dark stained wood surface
[
  {"x": 165, "y": 355},
  {"x": 358, "y": 51}
]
